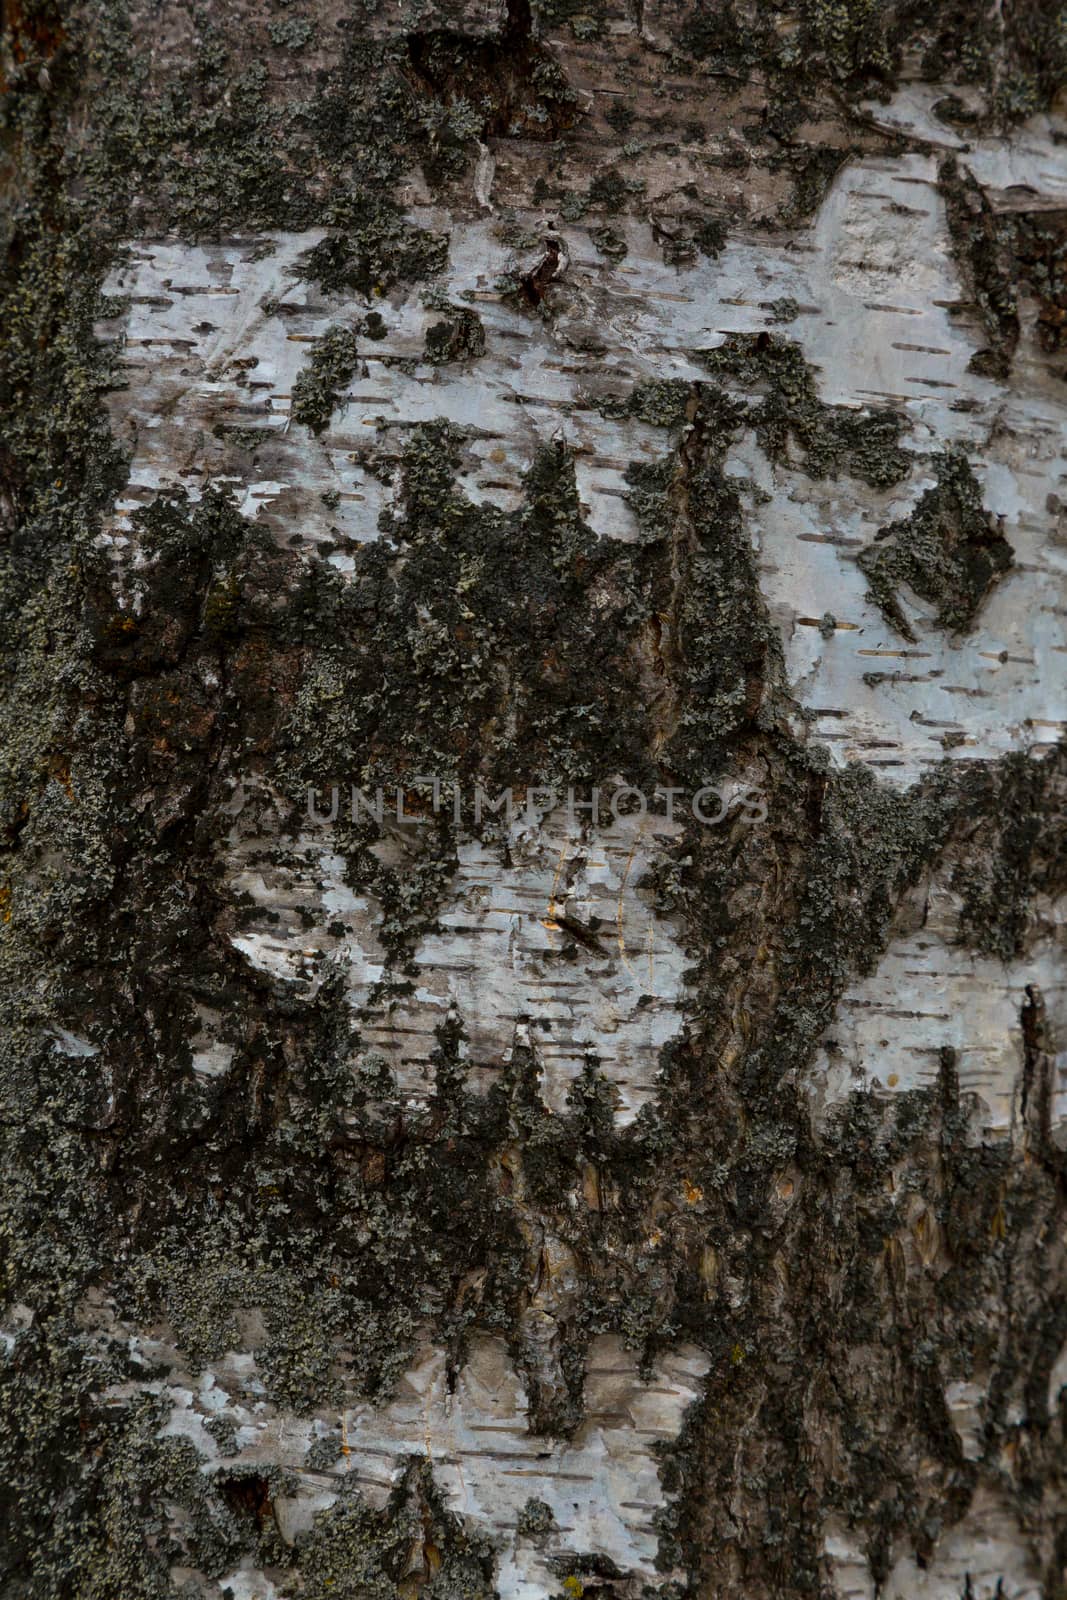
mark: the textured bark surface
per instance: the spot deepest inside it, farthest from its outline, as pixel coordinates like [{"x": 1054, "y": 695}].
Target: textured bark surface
[{"x": 445, "y": 397}]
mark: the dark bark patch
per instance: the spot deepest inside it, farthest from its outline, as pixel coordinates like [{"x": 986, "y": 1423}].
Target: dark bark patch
[
  {"x": 981, "y": 245},
  {"x": 950, "y": 551},
  {"x": 509, "y": 86}
]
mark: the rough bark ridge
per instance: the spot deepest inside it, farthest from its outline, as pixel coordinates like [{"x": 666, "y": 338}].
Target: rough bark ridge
[{"x": 524, "y": 395}]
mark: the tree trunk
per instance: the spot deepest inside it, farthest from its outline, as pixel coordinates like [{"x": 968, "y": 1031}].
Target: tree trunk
[{"x": 531, "y": 783}]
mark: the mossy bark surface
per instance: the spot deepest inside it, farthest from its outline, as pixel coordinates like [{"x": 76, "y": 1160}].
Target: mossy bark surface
[{"x": 632, "y": 403}]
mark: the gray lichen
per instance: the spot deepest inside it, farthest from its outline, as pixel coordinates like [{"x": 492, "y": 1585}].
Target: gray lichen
[
  {"x": 949, "y": 550},
  {"x": 318, "y": 388}
]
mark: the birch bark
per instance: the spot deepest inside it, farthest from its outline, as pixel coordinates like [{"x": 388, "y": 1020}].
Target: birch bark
[{"x": 429, "y": 402}]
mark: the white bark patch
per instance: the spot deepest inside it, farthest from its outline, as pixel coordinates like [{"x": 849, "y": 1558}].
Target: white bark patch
[
  {"x": 985, "y": 1549},
  {"x": 212, "y": 1056},
  {"x": 928, "y": 992},
  {"x": 602, "y": 1486},
  {"x": 1029, "y": 160},
  {"x": 965, "y": 1401},
  {"x": 505, "y": 958},
  {"x": 984, "y": 1556},
  {"x": 216, "y": 336},
  {"x": 901, "y": 707}
]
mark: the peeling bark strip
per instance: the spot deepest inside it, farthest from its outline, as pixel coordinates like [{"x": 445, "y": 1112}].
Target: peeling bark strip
[{"x": 632, "y": 398}]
